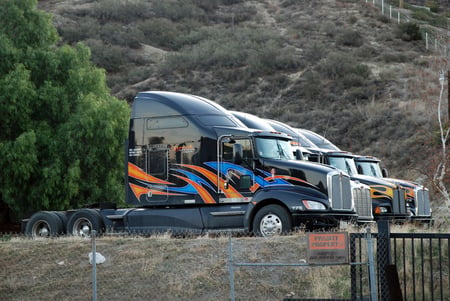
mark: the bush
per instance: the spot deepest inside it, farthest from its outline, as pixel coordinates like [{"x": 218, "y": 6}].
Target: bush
[
  {"x": 314, "y": 52},
  {"x": 76, "y": 32},
  {"x": 409, "y": 31},
  {"x": 178, "y": 10},
  {"x": 432, "y": 5},
  {"x": 160, "y": 32},
  {"x": 329, "y": 28},
  {"x": 109, "y": 57},
  {"x": 262, "y": 51},
  {"x": 311, "y": 87},
  {"x": 120, "y": 11},
  {"x": 350, "y": 38},
  {"x": 335, "y": 65},
  {"x": 121, "y": 36},
  {"x": 270, "y": 57}
]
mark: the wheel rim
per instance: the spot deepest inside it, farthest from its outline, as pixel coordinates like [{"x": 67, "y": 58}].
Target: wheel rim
[
  {"x": 271, "y": 225},
  {"x": 41, "y": 229},
  {"x": 82, "y": 227}
]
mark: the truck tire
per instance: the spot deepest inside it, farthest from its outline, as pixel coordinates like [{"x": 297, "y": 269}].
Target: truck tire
[
  {"x": 63, "y": 217},
  {"x": 83, "y": 221},
  {"x": 271, "y": 220},
  {"x": 44, "y": 224}
]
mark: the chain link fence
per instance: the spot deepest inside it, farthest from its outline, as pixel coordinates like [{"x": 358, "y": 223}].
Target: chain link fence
[
  {"x": 436, "y": 39},
  {"x": 164, "y": 268}
]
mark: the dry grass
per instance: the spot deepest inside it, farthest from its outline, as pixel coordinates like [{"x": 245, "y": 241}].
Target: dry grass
[
  {"x": 162, "y": 268},
  {"x": 165, "y": 268}
]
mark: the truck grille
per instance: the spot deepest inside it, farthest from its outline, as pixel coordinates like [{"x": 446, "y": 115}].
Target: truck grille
[
  {"x": 363, "y": 203},
  {"x": 340, "y": 192},
  {"x": 422, "y": 201},
  {"x": 399, "y": 202}
]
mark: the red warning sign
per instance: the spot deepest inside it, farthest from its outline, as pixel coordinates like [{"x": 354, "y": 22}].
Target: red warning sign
[
  {"x": 327, "y": 241},
  {"x": 328, "y": 247}
]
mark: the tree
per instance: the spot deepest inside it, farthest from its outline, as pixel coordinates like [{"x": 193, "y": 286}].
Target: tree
[
  {"x": 62, "y": 133},
  {"x": 442, "y": 171}
]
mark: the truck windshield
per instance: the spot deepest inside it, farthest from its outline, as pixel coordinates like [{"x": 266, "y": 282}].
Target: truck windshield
[
  {"x": 273, "y": 148},
  {"x": 370, "y": 169},
  {"x": 345, "y": 164}
]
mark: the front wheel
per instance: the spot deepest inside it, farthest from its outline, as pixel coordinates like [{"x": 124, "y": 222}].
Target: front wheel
[{"x": 271, "y": 220}]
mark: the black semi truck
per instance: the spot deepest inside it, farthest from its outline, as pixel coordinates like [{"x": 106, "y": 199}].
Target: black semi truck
[{"x": 193, "y": 167}]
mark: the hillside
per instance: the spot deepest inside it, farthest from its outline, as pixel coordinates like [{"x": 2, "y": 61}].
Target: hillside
[{"x": 340, "y": 68}]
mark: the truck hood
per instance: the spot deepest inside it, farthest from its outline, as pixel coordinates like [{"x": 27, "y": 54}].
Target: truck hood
[{"x": 369, "y": 180}]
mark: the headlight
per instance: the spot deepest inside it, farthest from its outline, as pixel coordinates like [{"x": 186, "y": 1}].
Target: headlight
[{"x": 312, "y": 205}]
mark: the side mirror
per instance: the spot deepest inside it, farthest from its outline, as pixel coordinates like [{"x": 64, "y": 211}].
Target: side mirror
[
  {"x": 360, "y": 170},
  {"x": 298, "y": 154},
  {"x": 384, "y": 172},
  {"x": 237, "y": 153}
]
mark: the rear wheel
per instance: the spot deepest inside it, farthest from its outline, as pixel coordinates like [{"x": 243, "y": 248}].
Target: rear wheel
[
  {"x": 44, "y": 224},
  {"x": 63, "y": 217},
  {"x": 271, "y": 220},
  {"x": 83, "y": 222}
]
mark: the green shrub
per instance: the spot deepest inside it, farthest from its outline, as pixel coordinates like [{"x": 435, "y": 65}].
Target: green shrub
[
  {"x": 160, "y": 32},
  {"x": 432, "y": 5},
  {"x": 314, "y": 52},
  {"x": 391, "y": 57},
  {"x": 329, "y": 28},
  {"x": 177, "y": 10},
  {"x": 76, "y": 32},
  {"x": 349, "y": 38},
  {"x": 408, "y": 31},
  {"x": 269, "y": 57},
  {"x": 121, "y": 36},
  {"x": 383, "y": 18},
  {"x": 109, "y": 57},
  {"x": 335, "y": 65},
  {"x": 261, "y": 51},
  {"x": 311, "y": 86},
  {"x": 352, "y": 19},
  {"x": 366, "y": 52},
  {"x": 120, "y": 11}
]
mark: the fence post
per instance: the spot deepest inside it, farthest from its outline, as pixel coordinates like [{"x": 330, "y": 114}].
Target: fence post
[
  {"x": 383, "y": 257},
  {"x": 230, "y": 269},
  {"x": 372, "y": 278},
  {"x": 94, "y": 266}
]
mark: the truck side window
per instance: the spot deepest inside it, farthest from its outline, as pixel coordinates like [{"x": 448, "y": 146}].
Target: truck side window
[
  {"x": 247, "y": 151},
  {"x": 157, "y": 163},
  {"x": 227, "y": 151}
]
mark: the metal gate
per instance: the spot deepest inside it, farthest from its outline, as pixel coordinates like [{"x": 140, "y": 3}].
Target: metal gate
[{"x": 409, "y": 266}]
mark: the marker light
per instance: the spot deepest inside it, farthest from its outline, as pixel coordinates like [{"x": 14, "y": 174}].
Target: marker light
[{"x": 380, "y": 210}]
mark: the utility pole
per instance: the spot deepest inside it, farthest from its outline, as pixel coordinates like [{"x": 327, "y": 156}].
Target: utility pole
[{"x": 448, "y": 96}]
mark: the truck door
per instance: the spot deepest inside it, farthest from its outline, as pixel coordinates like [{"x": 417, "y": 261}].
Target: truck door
[{"x": 236, "y": 162}]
